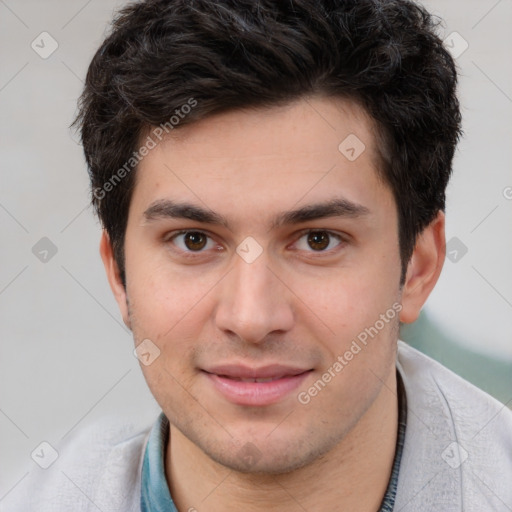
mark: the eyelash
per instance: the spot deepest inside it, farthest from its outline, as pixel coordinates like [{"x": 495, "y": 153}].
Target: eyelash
[{"x": 192, "y": 254}]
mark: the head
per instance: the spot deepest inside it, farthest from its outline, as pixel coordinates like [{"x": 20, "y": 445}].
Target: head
[{"x": 306, "y": 147}]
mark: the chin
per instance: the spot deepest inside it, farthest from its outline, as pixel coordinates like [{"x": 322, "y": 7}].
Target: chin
[{"x": 270, "y": 458}]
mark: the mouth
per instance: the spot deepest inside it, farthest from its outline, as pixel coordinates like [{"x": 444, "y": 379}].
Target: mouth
[
  {"x": 268, "y": 379},
  {"x": 242, "y": 385}
]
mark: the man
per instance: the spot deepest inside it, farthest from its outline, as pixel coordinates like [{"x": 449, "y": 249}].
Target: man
[{"x": 271, "y": 181}]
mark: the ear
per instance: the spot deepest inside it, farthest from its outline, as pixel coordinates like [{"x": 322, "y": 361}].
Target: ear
[
  {"x": 423, "y": 269},
  {"x": 114, "y": 277}
]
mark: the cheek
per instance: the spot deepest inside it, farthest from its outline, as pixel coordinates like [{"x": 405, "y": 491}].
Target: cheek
[
  {"x": 350, "y": 299},
  {"x": 160, "y": 294},
  {"x": 172, "y": 310},
  {"x": 167, "y": 310}
]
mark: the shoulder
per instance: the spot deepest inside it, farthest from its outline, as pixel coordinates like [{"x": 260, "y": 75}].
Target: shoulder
[
  {"x": 458, "y": 445},
  {"x": 458, "y": 398},
  {"x": 98, "y": 467}
]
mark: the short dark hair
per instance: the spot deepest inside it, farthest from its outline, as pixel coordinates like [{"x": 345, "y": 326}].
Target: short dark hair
[{"x": 221, "y": 55}]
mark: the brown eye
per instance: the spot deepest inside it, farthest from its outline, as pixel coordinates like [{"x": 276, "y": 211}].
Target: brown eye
[
  {"x": 190, "y": 243},
  {"x": 318, "y": 240},
  {"x": 195, "y": 240}
]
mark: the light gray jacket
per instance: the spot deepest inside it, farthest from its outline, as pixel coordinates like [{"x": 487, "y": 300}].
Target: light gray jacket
[{"x": 457, "y": 454}]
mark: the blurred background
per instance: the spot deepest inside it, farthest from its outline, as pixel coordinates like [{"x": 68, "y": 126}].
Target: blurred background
[{"x": 66, "y": 357}]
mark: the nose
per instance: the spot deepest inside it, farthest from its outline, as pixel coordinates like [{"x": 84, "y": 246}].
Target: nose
[{"x": 253, "y": 302}]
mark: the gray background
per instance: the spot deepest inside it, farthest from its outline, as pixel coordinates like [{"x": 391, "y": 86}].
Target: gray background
[{"x": 66, "y": 358}]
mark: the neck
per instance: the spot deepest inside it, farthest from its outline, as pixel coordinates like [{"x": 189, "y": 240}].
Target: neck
[{"x": 352, "y": 476}]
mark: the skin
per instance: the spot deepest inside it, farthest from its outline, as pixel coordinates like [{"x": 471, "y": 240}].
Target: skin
[{"x": 294, "y": 304}]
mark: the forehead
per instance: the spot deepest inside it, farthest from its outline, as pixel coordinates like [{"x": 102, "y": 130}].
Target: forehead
[
  {"x": 266, "y": 159},
  {"x": 313, "y": 122}
]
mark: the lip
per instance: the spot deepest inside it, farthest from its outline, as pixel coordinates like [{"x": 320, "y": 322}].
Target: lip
[{"x": 284, "y": 379}]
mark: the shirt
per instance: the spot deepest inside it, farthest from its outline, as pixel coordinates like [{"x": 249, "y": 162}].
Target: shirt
[{"x": 456, "y": 456}]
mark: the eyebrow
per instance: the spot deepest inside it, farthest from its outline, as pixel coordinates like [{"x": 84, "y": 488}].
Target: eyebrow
[{"x": 337, "y": 207}]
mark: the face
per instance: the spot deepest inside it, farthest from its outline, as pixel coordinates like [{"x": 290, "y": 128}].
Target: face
[{"x": 257, "y": 255}]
